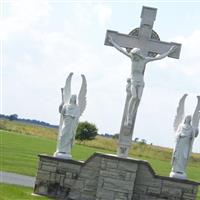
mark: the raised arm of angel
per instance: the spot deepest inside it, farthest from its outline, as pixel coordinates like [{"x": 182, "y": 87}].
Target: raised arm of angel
[
  {"x": 196, "y": 116},
  {"x": 82, "y": 95},
  {"x": 180, "y": 113},
  {"x": 67, "y": 89}
]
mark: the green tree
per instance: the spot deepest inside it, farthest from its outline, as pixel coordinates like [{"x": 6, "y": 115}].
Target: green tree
[
  {"x": 86, "y": 131},
  {"x": 115, "y": 136},
  {"x": 13, "y": 117},
  {"x": 143, "y": 141}
]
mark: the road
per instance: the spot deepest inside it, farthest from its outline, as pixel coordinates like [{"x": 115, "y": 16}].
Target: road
[{"x": 17, "y": 179}]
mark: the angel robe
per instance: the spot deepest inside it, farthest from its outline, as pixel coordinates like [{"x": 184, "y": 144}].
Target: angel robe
[
  {"x": 184, "y": 141},
  {"x": 70, "y": 114}
]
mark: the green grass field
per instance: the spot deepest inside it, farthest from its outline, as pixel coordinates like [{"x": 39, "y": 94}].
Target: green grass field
[
  {"x": 19, "y": 151},
  {"x": 20, "y": 154},
  {"x": 13, "y": 192}
]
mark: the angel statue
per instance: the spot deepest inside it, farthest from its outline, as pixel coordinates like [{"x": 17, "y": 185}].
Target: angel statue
[
  {"x": 186, "y": 128},
  {"x": 70, "y": 112}
]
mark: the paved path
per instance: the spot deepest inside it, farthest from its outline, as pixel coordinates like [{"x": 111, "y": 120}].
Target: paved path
[{"x": 17, "y": 179}]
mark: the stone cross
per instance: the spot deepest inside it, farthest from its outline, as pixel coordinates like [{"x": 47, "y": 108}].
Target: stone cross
[
  {"x": 148, "y": 41},
  {"x": 144, "y": 37}
]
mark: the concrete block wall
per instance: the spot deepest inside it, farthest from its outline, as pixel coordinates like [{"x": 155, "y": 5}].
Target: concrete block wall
[
  {"x": 150, "y": 186},
  {"x": 108, "y": 177},
  {"x": 87, "y": 182},
  {"x": 116, "y": 179},
  {"x": 55, "y": 177}
]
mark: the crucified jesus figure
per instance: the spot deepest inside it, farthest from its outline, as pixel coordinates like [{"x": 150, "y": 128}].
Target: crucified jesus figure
[{"x": 137, "y": 75}]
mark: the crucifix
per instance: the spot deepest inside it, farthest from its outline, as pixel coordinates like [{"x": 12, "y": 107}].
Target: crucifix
[{"x": 142, "y": 45}]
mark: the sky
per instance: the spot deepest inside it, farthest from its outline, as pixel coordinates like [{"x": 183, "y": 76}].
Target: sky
[{"x": 42, "y": 41}]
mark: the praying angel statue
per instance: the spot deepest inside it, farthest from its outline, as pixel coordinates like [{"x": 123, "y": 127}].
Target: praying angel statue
[
  {"x": 70, "y": 110},
  {"x": 186, "y": 128}
]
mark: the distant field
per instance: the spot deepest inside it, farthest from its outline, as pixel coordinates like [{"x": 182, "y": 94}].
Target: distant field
[{"x": 28, "y": 129}]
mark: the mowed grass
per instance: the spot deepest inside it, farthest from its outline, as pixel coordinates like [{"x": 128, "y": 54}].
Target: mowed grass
[
  {"x": 13, "y": 192},
  {"x": 19, "y": 153},
  {"x": 107, "y": 144}
]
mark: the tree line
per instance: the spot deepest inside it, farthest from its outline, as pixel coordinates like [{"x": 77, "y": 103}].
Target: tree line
[{"x": 15, "y": 117}]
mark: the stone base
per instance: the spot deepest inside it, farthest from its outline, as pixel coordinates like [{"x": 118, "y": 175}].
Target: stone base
[
  {"x": 108, "y": 177},
  {"x": 62, "y": 155},
  {"x": 178, "y": 175},
  {"x": 122, "y": 150}
]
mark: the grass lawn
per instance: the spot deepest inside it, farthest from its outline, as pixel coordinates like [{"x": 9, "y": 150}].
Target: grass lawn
[
  {"x": 19, "y": 153},
  {"x": 12, "y": 192}
]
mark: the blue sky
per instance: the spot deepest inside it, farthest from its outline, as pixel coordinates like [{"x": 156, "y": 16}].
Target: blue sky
[{"x": 43, "y": 41}]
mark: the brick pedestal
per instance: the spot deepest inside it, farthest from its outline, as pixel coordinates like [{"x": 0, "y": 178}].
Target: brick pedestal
[{"x": 107, "y": 177}]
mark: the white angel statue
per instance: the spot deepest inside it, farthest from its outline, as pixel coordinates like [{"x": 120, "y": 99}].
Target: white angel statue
[
  {"x": 70, "y": 112},
  {"x": 186, "y": 128}
]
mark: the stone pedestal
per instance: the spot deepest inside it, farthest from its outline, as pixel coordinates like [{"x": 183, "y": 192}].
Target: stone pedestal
[
  {"x": 178, "y": 175},
  {"x": 62, "y": 155},
  {"x": 107, "y": 177}
]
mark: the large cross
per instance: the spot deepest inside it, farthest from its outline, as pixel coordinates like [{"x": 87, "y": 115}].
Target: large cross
[
  {"x": 144, "y": 37},
  {"x": 149, "y": 43}
]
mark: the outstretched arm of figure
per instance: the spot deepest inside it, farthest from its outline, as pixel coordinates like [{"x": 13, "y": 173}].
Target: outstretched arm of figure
[
  {"x": 159, "y": 57},
  {"x": 110, "y": 39}
]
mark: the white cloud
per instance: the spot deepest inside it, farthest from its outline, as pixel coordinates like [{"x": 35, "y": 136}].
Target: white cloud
[
  {"x": 91, "y": 14},
  {"x": 23, "y": 16},
  {"x": 30, "y": 10},
  {"x": 104, "y": 14},
  {"x": 188, "y": 64}
]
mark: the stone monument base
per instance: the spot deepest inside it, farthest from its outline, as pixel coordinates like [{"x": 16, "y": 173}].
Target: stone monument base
[
  {"x": 108, "y": 177},
  {"x": 178, "y": 175},
  {"x": 62, "y": 155}
]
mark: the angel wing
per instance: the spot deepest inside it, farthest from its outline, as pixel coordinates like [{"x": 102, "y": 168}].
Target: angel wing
[
  {"x": 67, "y": 89},
  {"x": 180, "y": 112},
  {"x": 82, "y": 95},
  {"x": 196, "y": 115}
]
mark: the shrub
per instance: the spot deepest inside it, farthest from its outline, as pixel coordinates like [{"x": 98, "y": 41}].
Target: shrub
[
  {"x": 86, "y": 131},
  {"x": 115, "y": 136},
  {"x": 13, "y": 117}
]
